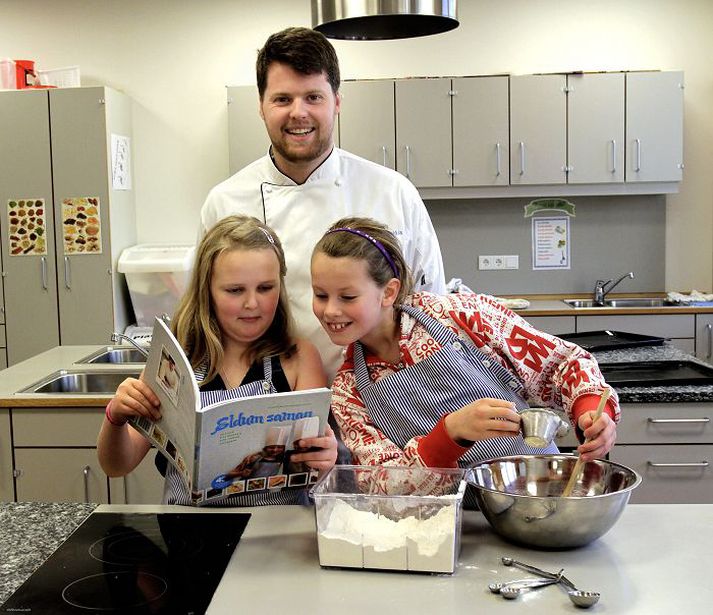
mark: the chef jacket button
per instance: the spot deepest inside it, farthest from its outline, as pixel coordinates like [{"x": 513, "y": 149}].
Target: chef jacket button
[
  {"x": 338, "y": 182},
  {"x": 457, "y": 346},
  {"x": 265, "y": 386},
  {"x": 268, "y": 190}
]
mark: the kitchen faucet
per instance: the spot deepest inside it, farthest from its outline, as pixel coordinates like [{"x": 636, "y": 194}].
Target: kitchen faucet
[
  {"x": 117, "y": 337},
  {"x": 604, "y": 287}
]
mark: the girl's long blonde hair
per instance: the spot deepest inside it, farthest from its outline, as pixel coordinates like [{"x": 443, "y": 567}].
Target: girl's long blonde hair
[{"x": 194, "y": 323}]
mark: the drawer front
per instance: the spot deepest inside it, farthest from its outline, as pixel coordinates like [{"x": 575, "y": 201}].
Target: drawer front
[
  {"x": 57, "y": 426},
  {"x": 677, "y": 325},
  {"x": 665, "y": 424},
  {"x": 671, "y": 474}
]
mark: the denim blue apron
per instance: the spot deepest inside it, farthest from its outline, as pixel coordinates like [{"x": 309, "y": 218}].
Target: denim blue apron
[
  {"x": 411, "y": 401},
  {"x": 175, "y": 491}
]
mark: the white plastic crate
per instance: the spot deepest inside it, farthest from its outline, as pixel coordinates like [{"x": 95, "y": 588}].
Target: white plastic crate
[
  {"x": 66, "y": 77},
  {"x": 157, "y": 276}
]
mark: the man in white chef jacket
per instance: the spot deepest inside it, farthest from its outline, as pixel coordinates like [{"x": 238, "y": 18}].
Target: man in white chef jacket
[{"x": 305, "y": 183}]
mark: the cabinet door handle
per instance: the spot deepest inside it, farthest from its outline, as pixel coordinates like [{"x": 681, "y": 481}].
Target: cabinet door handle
[
  {"x": 383, "y": 151},
  {"x": 85, "y": 472},
  {"x": 408, "y": 161},
  {"x": 497, "y": 159},
  {"x": 521, "y": 145},
  {"x": 682, "y": 464},
  {"x": 703, "y": 419},
  {"x": 637, "y": 166},
  {"x": 613, "y": 156},
  {"x": 43, "y": 262},
  {"x": 709, "y": 331},
  {"x": 67, "y": 273}
]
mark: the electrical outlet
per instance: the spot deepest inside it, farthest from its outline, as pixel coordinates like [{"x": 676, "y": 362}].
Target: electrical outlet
[
  {"x": 488, "y": 262},
  {"x": 485, "y": 262}
]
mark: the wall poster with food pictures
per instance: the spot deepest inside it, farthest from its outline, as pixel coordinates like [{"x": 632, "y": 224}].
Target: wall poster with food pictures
[
  {"x": 27, "y": 227},
  {"x": 81, "y": 225}
]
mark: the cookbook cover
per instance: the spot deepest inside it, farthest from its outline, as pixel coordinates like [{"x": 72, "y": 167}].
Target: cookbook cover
[{"x": 235, "y": 446}]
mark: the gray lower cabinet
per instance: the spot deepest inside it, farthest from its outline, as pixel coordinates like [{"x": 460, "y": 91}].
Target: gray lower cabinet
[
  {"x": 144, "y": 485},
  {"x": 56, "y": 460},
  {"x": 55, "y": 455},
  {"x": 671, "y": 447},
  {"x": 6, "y": 487},
  {"x": 60, "y": 475},
  {"x": 704, "y": 337}
]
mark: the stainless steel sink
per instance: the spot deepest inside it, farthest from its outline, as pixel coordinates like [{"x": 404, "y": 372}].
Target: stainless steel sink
[
  {"x": 629, "y": 302},
  {"x": 78, "y": 381},
  {"x": 114, "y": 354}
]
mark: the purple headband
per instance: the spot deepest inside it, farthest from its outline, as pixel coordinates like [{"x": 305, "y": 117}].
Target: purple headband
[{"x": 379, "y": 246}]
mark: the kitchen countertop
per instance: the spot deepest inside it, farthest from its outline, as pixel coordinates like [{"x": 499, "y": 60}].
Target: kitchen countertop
[
  {"x": 27, "y": 372},
  {"x": 649, "y": 562},
  {"x": 29, "y": 533},
  {"x": 31, "y": 370},
  {"x": 657, "y": 394},
  {"x": 552, "y": 305}
]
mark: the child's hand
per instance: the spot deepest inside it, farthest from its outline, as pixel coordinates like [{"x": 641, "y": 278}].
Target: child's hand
[
  {"x": 135, "y": 398},
  {"x": 482, "y": 419},
  {"x": 322, "y": 459},
  {"x": 600, "y": 434}
]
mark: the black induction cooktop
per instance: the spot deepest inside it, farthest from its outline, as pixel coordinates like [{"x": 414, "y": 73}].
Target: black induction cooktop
[{"x": 167, "y": 563}]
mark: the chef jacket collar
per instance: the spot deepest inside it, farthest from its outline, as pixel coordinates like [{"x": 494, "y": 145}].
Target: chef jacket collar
[{"x": 328, "y": 168}]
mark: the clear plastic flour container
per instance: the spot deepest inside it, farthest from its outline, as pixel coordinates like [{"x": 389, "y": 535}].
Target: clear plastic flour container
[{"x": 390, "y": 518}]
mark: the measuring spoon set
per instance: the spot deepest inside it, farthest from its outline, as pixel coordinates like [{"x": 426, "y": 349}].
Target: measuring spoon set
[{"x": 512, "y": 589}]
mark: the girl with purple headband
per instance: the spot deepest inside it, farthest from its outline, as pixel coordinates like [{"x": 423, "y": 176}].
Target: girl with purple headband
[{"x": 436, "y": 380}]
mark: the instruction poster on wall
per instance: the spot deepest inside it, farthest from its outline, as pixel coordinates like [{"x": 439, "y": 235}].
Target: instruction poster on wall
[
  {"x": 120, "y": 162},
  {"x": 550, "y": 243}
]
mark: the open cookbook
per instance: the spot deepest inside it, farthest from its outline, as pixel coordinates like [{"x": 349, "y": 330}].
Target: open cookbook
[{"x": 235, "y": 446}]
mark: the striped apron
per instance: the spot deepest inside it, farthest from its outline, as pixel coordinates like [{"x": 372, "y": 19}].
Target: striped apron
[
  {"x": 410, "y": 402},
  {"x": 175, "y": 491}
]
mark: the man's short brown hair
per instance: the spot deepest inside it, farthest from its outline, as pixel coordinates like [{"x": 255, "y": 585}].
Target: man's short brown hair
[{"x": 304, "y": 50}]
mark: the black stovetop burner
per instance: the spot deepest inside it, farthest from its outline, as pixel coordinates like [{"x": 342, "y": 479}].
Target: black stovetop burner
[{"x": 134, "y": 563}]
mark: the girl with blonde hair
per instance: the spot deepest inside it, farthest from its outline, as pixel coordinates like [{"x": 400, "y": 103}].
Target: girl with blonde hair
[{"x": 234, "y": 326}]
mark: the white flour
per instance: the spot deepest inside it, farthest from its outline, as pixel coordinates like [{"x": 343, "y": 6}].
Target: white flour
[{"x": 393, "y": 543}]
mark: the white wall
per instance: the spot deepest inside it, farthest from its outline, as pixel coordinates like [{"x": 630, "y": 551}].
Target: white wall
[{"x": 174, "y": 57}]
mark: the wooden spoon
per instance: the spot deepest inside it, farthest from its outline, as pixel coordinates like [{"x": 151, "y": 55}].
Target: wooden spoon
[{"x": 579, "y": 465}]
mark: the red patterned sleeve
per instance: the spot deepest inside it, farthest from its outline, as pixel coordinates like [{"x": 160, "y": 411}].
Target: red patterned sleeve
[{"x": 555, "y": 373}]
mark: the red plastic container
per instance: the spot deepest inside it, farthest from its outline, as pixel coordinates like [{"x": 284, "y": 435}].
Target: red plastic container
[{"x": 25, "y": 71}]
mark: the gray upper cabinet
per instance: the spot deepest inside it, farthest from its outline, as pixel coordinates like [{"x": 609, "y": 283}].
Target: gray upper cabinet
[
  {"x": 654, "y": 126},
  {"x": 481, "y": 131},
  {"x": 30, "y": 279},
  {"x": 92, "y": 294},
  {"x": 375, "y": 138},
  {"x": 538, "y": 129},
  {"x": 55, "y": 158},
  {"x": 423, "y": 131},
  {"x": 247, "y": 137},
  {"x": 579, "y": 133},
  {"x": 595, "y": 131}
]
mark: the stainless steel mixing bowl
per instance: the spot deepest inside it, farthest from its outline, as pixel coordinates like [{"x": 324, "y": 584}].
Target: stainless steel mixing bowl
[{"x": 521, "y": 497}]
